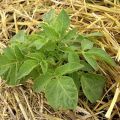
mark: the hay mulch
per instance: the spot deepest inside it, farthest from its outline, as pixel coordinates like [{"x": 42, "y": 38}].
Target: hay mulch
[{"x": 20, "y": 102}]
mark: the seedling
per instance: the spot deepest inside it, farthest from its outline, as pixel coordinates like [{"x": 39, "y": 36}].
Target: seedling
[{"x": 59, "y": 61}]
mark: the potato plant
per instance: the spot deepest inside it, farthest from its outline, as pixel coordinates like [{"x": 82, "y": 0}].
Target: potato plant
[{"x": 58, "y": 60}]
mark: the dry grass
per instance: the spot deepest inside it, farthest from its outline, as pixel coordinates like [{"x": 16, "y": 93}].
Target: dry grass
[{"x": 21, "y": 103}]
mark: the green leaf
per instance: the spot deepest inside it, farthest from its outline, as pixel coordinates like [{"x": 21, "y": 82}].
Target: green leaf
[
  {"x": 80, "y": 38},
  {"x": 101, "y": 54},
  {"x": 34, "y": 73},
  {"x": 51, "y": 61},
  {"x": 62, "y": 22},
  {"x": 50, "y": 16},
  {"x": 76, "y": 78},
  {"x": 41, "y": 82},
  {"x": 18, "y": 53},
  {"x": 94, "y": 34},
  {"x": 36, "y": 56},
  {"x": 86, "y": 44},
  {"x": 3, "y": 70},
  {"x": 11, "y": 56},
  {"x": 44, "y": 66},
  {"x": 5, "y": 61},
  {"x": 87, "y": 67},
  {"x": 20, "y": 36},
  {"x": 73, "y": 57},
  {"x": 68, "y": 68},
  {"x": 12, "y": 78},
  {"x": 10, "y": 53},
  {"x": 50, "y": 46},
  {"x": 92, "y": 85},
  {"x": 62, "y": 93},
  {"x": 35, "y": 36},
  {"x": 6, "y": 74},
  {"x": 70, "y": 35},
  {"x": 50, "y": 33},
  {"x": 26, "y": 68},
  {"x": 91, "y": 61},
  {"x": 39, "y": 43}
]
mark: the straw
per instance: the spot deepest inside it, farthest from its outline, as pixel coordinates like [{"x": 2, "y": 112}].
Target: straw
[{"x": 88, "y": 16}]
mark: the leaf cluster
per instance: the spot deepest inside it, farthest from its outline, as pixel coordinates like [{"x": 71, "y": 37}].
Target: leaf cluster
[{"x": 59, "y": 61}]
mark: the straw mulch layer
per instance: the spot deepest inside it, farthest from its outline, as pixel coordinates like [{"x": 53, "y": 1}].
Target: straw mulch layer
[{"x": 20, "y": 102}]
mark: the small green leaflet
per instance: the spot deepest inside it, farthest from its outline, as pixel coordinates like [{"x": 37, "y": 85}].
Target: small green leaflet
[
  {"x": 101, "y": 54},
  {"x": 5, "y": 61},
  {"x": 62, "y": 93},
  {"x": 18, "y": 53},
  {"x": 3, "y": 70},
  {"x": 80, "y": 38},
  {"x": 20, "y": 36},
  {"x": 87, "y": 66},
  {"x": 91, "y": 61},
  {"x": 73, "y": 57},
  {"x": 94, "y": 34},
  {"x": 41, "y": 82},
  {"x": 49, "y": 16},
  {"x": 68, "y": 68},
  {"x": 39, "y": 43},
  {"x": 50, "y": 33},
  {"x": 92, "y": 86},
  {"x": 44, "y": 66},
  {"x": 34, "y": 73},
  {"x": 72, "y": 34},
  {"x": 76, "y": 78},
  {"x": 11, "y": 56},
  {"x": 12, "y": 78},
  {"x": 62, "y": 22},
  {"x": 10, "y": 53},
  {"x": 26, "y": 68},
  {"x": 50, "y": 46},
  {"x": 86, "y": 44},
  {"x": 36, "y": 56}
]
